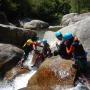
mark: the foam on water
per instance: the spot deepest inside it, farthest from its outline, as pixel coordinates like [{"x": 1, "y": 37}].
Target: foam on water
[
  {"x": 28, "y": 62},
  {"x": 80, "y": 87},
  {"x": 19, "y": 82},
  {"x": 6, "y": 86},
  {"x": 22, "y": 80}
]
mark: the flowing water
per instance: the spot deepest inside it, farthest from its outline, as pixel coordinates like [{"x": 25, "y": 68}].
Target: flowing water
[{"x": 21, "y": 81}]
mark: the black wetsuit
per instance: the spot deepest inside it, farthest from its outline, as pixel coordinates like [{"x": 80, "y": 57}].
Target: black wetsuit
[{"x": 62, "y": 51}]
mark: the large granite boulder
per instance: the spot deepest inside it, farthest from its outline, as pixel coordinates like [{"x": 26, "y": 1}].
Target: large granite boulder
[
  {"x": 72, "y": 18},
  {"x": 81, "y": 29},
  {"x": 15, "y": 35},
  {"x": 52, "y": 72},
  {"x": 9, "y": 57},
  {"x": 3, "y": 18},
  {"x": 36, "y": 24}
]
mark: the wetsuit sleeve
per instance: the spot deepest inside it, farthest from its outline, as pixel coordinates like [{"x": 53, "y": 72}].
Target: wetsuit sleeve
[
  {"x": 70, "y": 50},
  {"x": 34, "y": 45}
]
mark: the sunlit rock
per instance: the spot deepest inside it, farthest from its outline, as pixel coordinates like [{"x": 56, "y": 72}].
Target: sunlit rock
[
  {"x": 52, "y": 72},
  {"x": 72, "y": 18},
  {"x": 82, "y": 30},
  {"x": 36, "y": 24},
  {"x": 12, "y": 73}
]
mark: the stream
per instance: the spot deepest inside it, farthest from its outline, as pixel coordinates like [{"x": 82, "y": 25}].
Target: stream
[{"x": 21, "y": 81}]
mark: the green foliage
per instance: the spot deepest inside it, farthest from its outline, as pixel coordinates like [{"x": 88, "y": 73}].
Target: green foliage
[
  {"x": 47, "y": 10},
  {"x": 80, "y": 6},
  {"x": 85, "y": 10}
]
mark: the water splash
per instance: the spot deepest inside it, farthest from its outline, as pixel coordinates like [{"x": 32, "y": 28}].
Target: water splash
[
  {"x": 22, "y": 80},
  {"x": 80, "y": 87},
  {"x": 5, "y": 85},
  {"x": 28, "y": 62}
]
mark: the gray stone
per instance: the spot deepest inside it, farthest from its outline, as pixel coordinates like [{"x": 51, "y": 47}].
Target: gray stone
[
  {"x": 82, "y": 30},
  {"x": 15, "y": 35},
  {"x": 36, "y": 24},
  {"x": 9, "y": 57},
  {"x": 72, "y": 18}
]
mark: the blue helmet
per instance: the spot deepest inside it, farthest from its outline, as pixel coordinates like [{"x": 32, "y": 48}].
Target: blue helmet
[
  {"x": 58, "y": 34},
  {"x": 67, "y": 36},
  {"x": 44, "y": 41}
]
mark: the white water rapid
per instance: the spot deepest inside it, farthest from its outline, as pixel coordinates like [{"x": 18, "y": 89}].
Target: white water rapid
[{"x": 20, "y": 81}]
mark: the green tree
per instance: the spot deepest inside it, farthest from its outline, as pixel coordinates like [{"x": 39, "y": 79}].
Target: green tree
[
  {"x": 47, "y": 10},
  {"x": 79, "y": 5}
]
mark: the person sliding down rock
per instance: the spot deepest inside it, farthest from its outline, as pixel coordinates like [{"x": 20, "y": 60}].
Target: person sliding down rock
[
  {"x": 38, "y": 58},
  {"x": 46, "y": 49},
  {"x": 61, "y": 47},
  {"x": 38, "y": 55},
  {"x": 75, "y": 48},
  {"x": 45, "y": 52}
]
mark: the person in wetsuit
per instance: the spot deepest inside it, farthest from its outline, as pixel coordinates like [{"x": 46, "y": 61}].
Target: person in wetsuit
[
  {"x": 61, "y": 47},
  {"x": 75, "y": 48}
]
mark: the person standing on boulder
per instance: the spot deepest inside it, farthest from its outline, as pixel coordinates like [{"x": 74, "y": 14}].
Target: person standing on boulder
[
  {"x": 61, "y": 47},
  {"x": 29, "y": 46},
  {"x": 75, "y": 48}
]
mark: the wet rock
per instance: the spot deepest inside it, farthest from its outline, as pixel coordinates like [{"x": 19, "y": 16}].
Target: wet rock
[
  {"x": 36, "y": 24},
  {"x": 52, "y": 72},
  {"x": 82, "y": 30},
  {"x": 9, "y": 57},
  {"x": 72, "y": 18},
  {"x": 12, "y": 73},
  {"x": 15, "y": 35},
  {"x": 80, "y": 87}
]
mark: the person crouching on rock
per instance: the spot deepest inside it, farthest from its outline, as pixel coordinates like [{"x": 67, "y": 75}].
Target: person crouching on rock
[
  {"x": 46, "y": 49},
  {"x": 61, "y": 47},
  {"x": 75, "y": 48}
]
